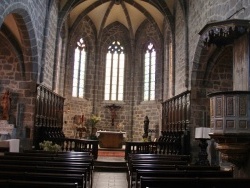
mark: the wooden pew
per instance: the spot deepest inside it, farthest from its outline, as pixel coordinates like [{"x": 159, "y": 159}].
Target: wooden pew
[
  {"x": 163, "y": 182},
  {"x": 162, "y": 164},
  {"x": 86, "y": 160},
  {"x": 46, "y": 169},
  {"x": 169, "y": 157},
  {"x": 185, "y": 159},
  {"x": 55, "y": 159},
  {"x": 50, "y": 177},
  {"x": 157, "y": 158},
  {"x": 47, "y": 153},
  {"x": 48, "y": 158},
  {"x": 36, "y": 163},
  {"x": 136, "y": 157},
  {"x": 135, "y": 167},
  {"x": 37, "y": 184},
  {"x": 180, "y": 173}
]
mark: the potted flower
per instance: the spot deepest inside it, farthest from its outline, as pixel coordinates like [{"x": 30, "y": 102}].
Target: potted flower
[
  {"x": 93, "y": 120},
  {"x": 49, "y": 146}
]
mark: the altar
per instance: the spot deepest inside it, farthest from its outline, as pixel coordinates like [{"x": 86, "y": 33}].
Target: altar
[{"x": 110, "y": 139}]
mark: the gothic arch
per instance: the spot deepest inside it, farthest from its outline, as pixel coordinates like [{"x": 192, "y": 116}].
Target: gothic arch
[
  {"x": 113, "y": 32},
  {"x": 213, "y": 66},
  {"x": 28, "y": 44},
  {"x": 148, "y": 33}
]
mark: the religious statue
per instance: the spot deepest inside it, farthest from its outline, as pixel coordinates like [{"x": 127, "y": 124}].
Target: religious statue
[
  {"x": 146, "y": 126},
  {"x": 5, "y": 103},
  {"x": 80, "y": 129}
]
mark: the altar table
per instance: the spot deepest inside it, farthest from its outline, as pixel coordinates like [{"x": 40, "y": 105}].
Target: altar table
[{"x": 110, "y": 139}]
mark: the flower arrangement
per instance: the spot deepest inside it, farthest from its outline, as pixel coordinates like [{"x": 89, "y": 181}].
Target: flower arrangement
[
  {"x": 120, "y": 126},
  {"x": 49, "y": 146},
  {"x": 92, "y": 121}
]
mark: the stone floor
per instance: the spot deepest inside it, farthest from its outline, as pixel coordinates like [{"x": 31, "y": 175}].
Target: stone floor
[{"x": 110, "y": 179}]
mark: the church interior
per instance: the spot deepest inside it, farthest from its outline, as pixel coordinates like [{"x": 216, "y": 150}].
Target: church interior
[{"x": 158, "y": 77}]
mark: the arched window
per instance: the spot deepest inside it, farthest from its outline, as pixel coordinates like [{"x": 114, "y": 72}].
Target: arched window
[
  {"x": 79, "y": 69},
  {"x": 149, "y": 73},
  {"x": 114, "y": 80}
]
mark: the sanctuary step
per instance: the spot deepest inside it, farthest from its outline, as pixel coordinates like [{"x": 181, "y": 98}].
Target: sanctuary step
[{"x": 110, "y": 164}]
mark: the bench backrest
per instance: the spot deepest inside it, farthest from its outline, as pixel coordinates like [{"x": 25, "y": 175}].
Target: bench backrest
[
  {"x": 163, "y": 182},
  {"x": 180, "y": 173},
  {"x": 37, "y": 184},
  {"x": 50, "y": 177}
]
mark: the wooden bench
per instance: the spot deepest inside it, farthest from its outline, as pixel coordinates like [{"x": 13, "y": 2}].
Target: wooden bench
[
  {"x": 180, "y": 173},
  {"x": 49, "y": 158},
  {"x": 61, "y": 162},
  {"x": 136, "y": 157},
  {"x": 34, "y": 163},
  {"x": 46, "y": 169},
  {"x": 132, "y": 174},
  {"x": 37, "y": 184},
  {"x": 169, "y": 157},
  {"x": 156, "y": 158},
  {"x": 184, "y": 159},
  {"x": 47, "y": 153},
  {"x": 163, "y": 182},
  {"x": 50, "y": 177},
  {"x": 86, "y": 160},
  {"x": 133, "y": 166}
]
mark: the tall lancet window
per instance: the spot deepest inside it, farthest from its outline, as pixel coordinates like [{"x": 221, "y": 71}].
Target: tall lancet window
[
  {"x": 114, "y": 79},
  {"x": 79, "y": 69},
  {"x": 149, "y": 73}
]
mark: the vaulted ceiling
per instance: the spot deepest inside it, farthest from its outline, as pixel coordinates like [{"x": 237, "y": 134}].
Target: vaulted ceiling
[{"x": 130, "y": 13}]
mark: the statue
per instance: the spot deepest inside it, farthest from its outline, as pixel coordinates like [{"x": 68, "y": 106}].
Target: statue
[
  {"x": 6, "y": 105},
  {"x": 146, "y": 126}
]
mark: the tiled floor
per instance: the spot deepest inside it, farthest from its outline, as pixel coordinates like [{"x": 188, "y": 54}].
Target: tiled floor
[{"x": 109, "y": 180}]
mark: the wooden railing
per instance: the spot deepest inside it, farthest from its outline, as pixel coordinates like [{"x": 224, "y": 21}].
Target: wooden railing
[
  {"x": 69, "y": 144},
  {"x": 175, "y": 143}
]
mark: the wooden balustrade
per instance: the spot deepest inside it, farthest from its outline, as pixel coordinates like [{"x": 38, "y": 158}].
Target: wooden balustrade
[
  {"x": 171, "y": 144},
  {"x": 81, "y": 145}
]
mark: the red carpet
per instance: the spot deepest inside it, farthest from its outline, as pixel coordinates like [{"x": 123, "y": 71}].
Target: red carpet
[{"x": 107, "y": 153}]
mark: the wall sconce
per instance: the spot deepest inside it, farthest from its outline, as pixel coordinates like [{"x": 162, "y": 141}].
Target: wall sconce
[{"x": 202, "y": 134}]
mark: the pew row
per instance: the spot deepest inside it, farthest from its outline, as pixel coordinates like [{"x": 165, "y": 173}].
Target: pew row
[
  {"x": 50, "y": 177},
  {"x": 180, "y": 173},
  {"x": 63, "y": 163},
  {"x": 167, "y": 160},
  {"x": 37, "y": 184},
  {"x": 163, "y": 182}
]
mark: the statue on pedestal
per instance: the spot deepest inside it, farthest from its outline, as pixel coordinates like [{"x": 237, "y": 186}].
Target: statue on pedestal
[
  {"x": 146, "y": 126},
  {"x": 5, "y": 103}
]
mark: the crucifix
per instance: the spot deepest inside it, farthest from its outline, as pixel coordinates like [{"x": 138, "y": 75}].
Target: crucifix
[{"x": 113, "y": 108}]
